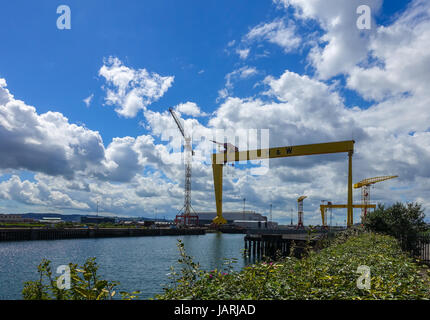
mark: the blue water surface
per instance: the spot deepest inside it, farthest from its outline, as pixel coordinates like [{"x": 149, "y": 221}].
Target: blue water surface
[{"x": 138, "y": 263}]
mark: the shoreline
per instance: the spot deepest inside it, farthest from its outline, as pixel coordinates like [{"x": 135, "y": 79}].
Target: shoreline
[{"x": 30, "y": 234}]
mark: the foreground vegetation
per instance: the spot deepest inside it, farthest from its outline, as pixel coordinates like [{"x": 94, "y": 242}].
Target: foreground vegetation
[
  {"x": 328, "y": 274},
  {"x": 85, "y": 284}
]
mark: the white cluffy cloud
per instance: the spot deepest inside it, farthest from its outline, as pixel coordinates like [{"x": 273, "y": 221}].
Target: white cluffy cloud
[
  {"x": 132, "y": 90},
  {"x": 241, "y": 73},
  {"x": 33, "y": 193},
  {"x": 403, "y": 58},
  {"x": 72, "y": 166},
  {"x": 275, "y": 32},
  {"x": 46, "y": 142},
  {"x": 341, "y": 45},
  {"x": 190, "y": 109},
  {"x": 243, "y": 53},
  {"x": 88, "y": 100}
]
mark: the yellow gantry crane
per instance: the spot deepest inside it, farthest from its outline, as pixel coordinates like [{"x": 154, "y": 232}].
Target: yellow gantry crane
[
  {"x": 365, "y": 188},
  {"x": 222, "y": 158}
]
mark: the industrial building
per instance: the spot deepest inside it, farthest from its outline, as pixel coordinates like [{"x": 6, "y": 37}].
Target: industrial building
[
  {"x": 206, "y": 218},
  {"x": 97, "y": 219},
  {"x": 250, "y": 224},
  {"x": 50, "y": 220},
  {"x": 10, "y": 218}
]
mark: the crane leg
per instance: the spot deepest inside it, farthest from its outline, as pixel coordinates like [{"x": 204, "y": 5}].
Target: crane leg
[
  {"x": 350, "y": 219},
  {"x": 322, "y": 216},
  {"x": 217, "y": 173}
]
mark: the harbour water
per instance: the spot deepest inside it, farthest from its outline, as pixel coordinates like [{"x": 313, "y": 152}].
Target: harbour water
[{"x": 138, "y": 263}]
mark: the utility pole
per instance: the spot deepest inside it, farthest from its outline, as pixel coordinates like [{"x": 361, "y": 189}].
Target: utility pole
[
  {"x": 331, "y": 219},
  {"x": 270, "y": 216},
  {"x": 244, "y": 201}
]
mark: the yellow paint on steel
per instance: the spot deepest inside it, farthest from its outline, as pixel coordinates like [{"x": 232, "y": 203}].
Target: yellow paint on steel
[
  {"x": 323, "y": 208},
  {"x": 217, "y": 173},
  {"x": 301, "y": 198},
  {"x": 282, "y": 152},
  {"x": 370, "y": 181},
  {"x": 219, "y": 159},
  {"x": 350, "y": 210}
]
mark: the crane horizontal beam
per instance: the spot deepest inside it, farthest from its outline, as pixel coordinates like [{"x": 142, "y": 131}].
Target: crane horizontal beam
[
  {"x": 370, "y": 181},
  {"x": 282, "y": 152},
  {"x": 323, "y": 208},
  {"x": 343, "y": 206}
]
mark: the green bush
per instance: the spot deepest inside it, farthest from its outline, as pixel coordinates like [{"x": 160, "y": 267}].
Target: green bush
[
  {"x": 405, "y": 223},
  {"x": 328, "y": 274},
  {"x": 85, "y": 284}
]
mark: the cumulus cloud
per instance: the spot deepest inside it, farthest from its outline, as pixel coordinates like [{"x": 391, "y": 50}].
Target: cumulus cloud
[
  {"x": 48, "y": 143},
  {"x": 132, "y": 90},
  {"x": 37, "y": 194},
  {"x": 341, "y": 45},
  {"x": 5, "y": 96},
  {"x": 73, "y": 167},
  {"x": 243, "y": 53},
  {"x": 275, "y": 32},
  {"x": 302, "y": 113},
  {"x": 88, "y": 100},
  {"x": 238, "y": 74},
  {"x": 190, "y": 109},
  {"x": 44, "y": 143},
  {"x": 393, "y": 74}
]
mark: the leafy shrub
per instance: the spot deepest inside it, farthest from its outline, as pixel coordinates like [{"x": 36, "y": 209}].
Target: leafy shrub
[
  {"x": 85, "y": 284},
  {"x": 400, "y": 221},
  {"x": 328, "y": 274}
]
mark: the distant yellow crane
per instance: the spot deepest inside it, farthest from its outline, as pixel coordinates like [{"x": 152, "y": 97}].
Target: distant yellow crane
[
  {"x": 300, "y": 211},
  {"x": 365, "y": 191},
  {"x": 329, "y": 206}
]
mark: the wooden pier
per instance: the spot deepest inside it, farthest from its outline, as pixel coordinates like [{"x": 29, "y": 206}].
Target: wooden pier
[{"x": 258, "y": 246}]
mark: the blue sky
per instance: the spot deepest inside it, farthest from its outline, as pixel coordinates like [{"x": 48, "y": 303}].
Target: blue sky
[
  {"x": 294, "y": 48},
  {"x": 167, "y": 37}
]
